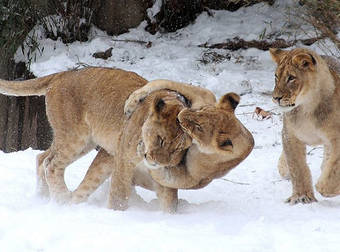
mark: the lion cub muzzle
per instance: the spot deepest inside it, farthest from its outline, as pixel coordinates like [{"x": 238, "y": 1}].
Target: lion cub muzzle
[{"x": 150, "y": 164}]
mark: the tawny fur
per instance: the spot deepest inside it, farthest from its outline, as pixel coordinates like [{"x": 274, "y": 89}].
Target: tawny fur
[
  {"x": 309, "y": 87},
  {"x": 201, "y": 96}
]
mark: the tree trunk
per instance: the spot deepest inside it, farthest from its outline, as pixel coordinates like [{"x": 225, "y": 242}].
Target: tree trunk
[
  {"x": 23, "y": 121},
  {"x": 178, "y": 14}
]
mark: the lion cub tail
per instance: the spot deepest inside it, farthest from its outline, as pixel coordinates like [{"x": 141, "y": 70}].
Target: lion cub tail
[{"x": 36, "y": 86}]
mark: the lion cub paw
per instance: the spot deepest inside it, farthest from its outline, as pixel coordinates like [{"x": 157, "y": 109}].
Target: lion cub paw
[
  {"x": 304, "y": 199},
  {"x": 117, "y": 204},
  {"x": 133, "y": 101},
  {"x": 61, "y": 197},
  {"x": 78, "y": 198}
]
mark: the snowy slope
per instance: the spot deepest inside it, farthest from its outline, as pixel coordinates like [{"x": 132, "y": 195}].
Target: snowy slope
[{"x": 244, "y": 211}]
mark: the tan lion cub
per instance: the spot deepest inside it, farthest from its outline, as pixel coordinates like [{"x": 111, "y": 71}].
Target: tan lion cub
[
  {"x": 309, "y": 89},
  {"x": 220, "y": 141},
  {"x": 171, "y": 144},
  {"x": 85, "y": 110}
]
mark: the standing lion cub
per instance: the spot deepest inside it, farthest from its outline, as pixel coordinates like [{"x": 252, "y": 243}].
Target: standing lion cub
[
  {"x": 85, "y": 110},
  {"x": 308, "y": 88}
]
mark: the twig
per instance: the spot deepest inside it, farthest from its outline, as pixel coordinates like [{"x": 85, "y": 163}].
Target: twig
[
  {"x": 267, "y": 93},
  {"x": 131, "y": 41},
  {"x": 276, "y": 181},
  {"x": 238, "y": 43},
  {"x": 273, "y": 113},
  {"x": 247, "y": 105},
  {"x": 81, "y": 65},
  {"x": 239, "y": 183},
  {"x": 245, "y": 113},
  {"x": 250, "y": 113}
]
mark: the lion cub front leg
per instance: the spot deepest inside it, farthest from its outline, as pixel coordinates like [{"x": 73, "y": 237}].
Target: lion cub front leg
[
  {"x": 121, "y": 185},
  {"x": 196, "y": 95},
  {"x": 295, "y": 154},
  {"x": 168, "y": 198}
]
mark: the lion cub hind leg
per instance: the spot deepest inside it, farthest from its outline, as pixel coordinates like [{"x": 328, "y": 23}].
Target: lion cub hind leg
[
  {"x": 328, "y": 184},
  {"x": 54, "y": 166},
  {"x": 99, "y": 170},
  {"x": 42, "y": 186},
  {"x": 61, "y": 155}
]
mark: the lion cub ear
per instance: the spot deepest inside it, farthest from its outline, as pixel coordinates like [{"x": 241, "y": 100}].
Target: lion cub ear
[
  {"x": 277, "y": 54},
  {"x": 304, "y": 61},
  {"x": 229, "y": 102},
  {"x": 158, "y": 105}
]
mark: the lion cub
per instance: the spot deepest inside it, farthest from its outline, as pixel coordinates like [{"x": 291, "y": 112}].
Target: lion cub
[
  {"x": 85, "y": 110},
  {"x": 308, "y": 88},
  {"x": 220, "y": 142},
  {"x": 165, "y": 145}
]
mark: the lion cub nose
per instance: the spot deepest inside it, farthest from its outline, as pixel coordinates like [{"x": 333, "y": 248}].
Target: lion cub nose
[{"x": 277, "y": 99}]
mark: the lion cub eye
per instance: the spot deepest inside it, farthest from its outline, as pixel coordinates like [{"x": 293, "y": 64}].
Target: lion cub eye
[
  {"x": 160, "y": 141},
  {"x": 291, "y": 78},
  {"x": 226, "y": 143},
  {"x": 198, "y": 127}
]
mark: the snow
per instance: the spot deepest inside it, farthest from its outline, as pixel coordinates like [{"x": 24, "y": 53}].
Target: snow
[{"x": 243, "y": 211}]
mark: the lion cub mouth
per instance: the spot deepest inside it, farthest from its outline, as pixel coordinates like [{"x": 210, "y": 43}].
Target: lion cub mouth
[
  {"x": 151, "y": 165},
  {"x": 284, "y": 107}
]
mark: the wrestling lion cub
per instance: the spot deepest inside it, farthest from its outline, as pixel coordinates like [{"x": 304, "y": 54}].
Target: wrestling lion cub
[
  {"x": 220, "y": 143},
  {"x": 309, "y": 89},
  {"x": 165, "y": 145},
  {"x": 85, "y": 110}
]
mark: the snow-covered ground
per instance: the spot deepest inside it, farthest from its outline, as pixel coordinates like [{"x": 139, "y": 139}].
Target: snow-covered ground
[{"x": 243, "y": 211}]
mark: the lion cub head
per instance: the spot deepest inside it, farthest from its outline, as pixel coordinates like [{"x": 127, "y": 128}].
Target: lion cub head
[
  {"x": 164, "y": 140},
  {"x": 216, "y": 130},
  {"x": 295, "y": 77}
]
